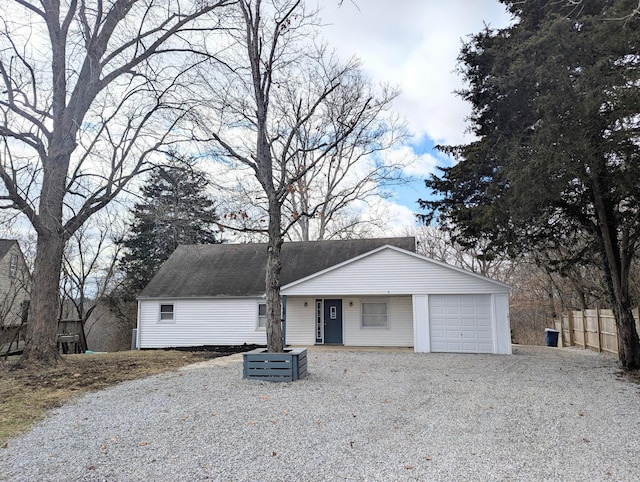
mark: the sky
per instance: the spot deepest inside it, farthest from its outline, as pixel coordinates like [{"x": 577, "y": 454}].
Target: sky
[{"x": 414, "y": 44}]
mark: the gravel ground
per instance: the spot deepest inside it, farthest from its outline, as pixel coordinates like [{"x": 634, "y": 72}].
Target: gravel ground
[{"x": 541, "y": 414}]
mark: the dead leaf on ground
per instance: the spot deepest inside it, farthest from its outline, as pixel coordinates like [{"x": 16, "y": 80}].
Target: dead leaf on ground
[
  {"x": 142, "y": 444},
  {"x": 409, "y": 467}
]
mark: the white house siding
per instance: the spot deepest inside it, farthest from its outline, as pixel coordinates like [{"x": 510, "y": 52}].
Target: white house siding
[
  {"x": 391, "y": 272},
  {"x": 502, "y": 326},
  {"x": 421, "y": 332},
  {"x": 13, "y": 287},
  {"x": 399, "y": 332},
  {"x": 300, "y": 321},
  {"x": 200, "y": 322}
]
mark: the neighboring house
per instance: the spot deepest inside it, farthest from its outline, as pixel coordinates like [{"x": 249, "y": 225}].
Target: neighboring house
[
  {"x": 14, "y": 282},
  {"x": 365, "y": 292}
]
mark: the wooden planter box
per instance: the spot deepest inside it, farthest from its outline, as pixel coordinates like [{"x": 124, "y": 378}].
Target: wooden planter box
[{"x": 275, "y": 367}]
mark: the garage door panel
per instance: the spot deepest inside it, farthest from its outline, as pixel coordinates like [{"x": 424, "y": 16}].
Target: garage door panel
[
  {"x": 438, "y": 346},
  {"x": 440, "y": 333},
  {"x": 461, "y": 323}
]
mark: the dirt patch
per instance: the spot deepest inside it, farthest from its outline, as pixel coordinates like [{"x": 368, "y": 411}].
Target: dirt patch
[{"x": 26, "y": 393}]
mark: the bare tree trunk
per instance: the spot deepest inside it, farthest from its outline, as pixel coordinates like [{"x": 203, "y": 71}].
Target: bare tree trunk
[
  {"x": 274, "y": 266},
  {"x": 41, "y": 345}
]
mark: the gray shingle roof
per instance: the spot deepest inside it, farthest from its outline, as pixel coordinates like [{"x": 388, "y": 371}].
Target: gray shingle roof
[
  {"x": 194, "y": 271},
  {"x": 5, "y": 246}
]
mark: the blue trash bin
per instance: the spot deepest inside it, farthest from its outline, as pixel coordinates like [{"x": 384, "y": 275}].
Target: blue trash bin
[{"x": 551, "y": 337}]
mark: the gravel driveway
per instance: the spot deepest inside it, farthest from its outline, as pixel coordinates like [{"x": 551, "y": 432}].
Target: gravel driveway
[{"x": 543, "y": 413}]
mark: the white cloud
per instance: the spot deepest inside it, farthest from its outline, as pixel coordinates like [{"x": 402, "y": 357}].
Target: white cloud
[
  {"x": 414, "y": 44},
  {"x": 416, "y": 165}
]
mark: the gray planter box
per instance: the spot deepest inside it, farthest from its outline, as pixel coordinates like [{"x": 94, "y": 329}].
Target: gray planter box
[{"x": 275, "y": 367}]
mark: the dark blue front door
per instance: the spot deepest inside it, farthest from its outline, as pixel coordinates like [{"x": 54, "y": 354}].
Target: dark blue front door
[{"x": 333, "y": 321}]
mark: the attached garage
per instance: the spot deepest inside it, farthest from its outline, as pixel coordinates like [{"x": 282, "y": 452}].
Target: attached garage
[
  {"x": 461, "y": 323},
  {"x": 449, "y": 309}
]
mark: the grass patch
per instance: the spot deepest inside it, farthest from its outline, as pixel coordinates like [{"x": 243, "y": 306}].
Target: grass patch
[{"x": 27, "y": 393}]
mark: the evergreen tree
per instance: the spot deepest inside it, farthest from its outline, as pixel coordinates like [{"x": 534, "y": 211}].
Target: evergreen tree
[
  {"x": 175, "y": 210},
  {"x": 556, "y": 109}
]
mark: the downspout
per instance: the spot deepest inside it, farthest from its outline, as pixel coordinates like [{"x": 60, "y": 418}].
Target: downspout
[
  {"x": 137, "y": 338},
  {"x": 284, "y": 321}
]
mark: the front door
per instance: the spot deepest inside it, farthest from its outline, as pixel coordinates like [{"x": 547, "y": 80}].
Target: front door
[{"x": 333, "y": 321}]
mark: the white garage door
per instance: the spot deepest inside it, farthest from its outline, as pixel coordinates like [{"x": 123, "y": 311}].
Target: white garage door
[{"x": 461, "y": 323}]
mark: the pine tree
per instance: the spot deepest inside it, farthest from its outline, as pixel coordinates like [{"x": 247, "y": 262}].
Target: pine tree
[
  {"x": 175, "y": 210},
  {"x": 555, "y": 108}
]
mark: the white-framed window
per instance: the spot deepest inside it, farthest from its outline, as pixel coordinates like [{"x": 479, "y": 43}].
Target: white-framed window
[
  {"x": 167, "y": 313},
  {"x": 13, "y": 265},
  {"x": 319, "y": 322},
  {"x": 262, "y": 315},
  {"x": 374, "y": 314}
]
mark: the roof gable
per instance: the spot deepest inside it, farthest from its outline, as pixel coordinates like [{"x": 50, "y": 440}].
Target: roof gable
[
  {"x": 226, "y": 270},
  {"x": 390, "y": 271},
  {"x": 6, "y": 245}
]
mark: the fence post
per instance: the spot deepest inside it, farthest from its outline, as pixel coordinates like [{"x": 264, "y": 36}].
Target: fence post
[
  {"x": 557, "y": 324},
  {"x": 584, "y": 329},
  {"x": 570, "y": 322},
  {"x": 599, "y": 328}
]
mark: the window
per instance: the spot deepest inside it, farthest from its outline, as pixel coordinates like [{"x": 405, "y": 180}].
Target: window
[
  {"x": 319, "y": 321},
  {"x": 374, "y": 315},
  {"x": 262, "y": 315},
  {"x": 166, "y": 313},
  {"x": 13, "y": 265}
]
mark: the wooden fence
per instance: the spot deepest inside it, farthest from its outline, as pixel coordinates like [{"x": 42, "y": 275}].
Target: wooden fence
[{"x": 593, "y": 329}]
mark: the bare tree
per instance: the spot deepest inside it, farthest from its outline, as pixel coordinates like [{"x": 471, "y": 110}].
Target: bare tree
[
  {"x": 321, "y": 202},
  {"x": 437, "y": 244},
  {"x": 89, "y": 263},
  {"x": 277, "y": 86},
  {"x": 89, "y": 92}
]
